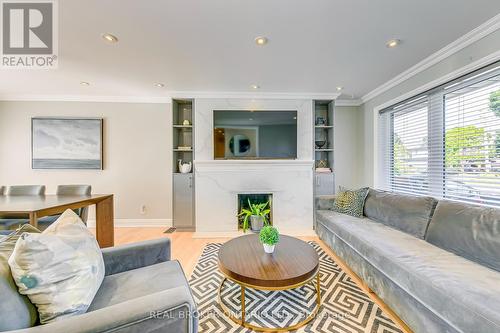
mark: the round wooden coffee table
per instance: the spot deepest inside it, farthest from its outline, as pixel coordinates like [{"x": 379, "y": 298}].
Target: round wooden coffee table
[{"x": 293, "y": 264}]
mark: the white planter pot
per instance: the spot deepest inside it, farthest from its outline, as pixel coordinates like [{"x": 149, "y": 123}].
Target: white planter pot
[{"x": 268, "y": 248}]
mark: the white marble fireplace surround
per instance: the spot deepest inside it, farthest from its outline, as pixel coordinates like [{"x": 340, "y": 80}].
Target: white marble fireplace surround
[{"x": 218, "y": 182}]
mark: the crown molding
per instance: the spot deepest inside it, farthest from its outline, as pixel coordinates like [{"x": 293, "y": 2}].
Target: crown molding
[
  {"x": 84, "y": 98},
  {"x": 252, "y": 95},
  {"x": 471, "y": 37},
  {"x": 348, "y": 102},
  {"x": 487, "y": 60},
  {"x": 166, "y": 99}
]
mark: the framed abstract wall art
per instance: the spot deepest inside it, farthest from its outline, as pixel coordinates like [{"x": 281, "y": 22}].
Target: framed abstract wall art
[{"x": 66, "y": 143}]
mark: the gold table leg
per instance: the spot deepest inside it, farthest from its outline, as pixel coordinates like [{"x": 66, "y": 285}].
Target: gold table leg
[
  {"x": 242, "y": 305},
  {"x": 242, "y": 322}
]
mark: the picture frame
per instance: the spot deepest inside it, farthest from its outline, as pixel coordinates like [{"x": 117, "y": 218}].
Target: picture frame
[{"x": 67, "y": 143}]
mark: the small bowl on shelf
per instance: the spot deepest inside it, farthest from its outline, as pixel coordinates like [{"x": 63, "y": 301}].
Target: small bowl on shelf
[{"x": 320, "y": 143}]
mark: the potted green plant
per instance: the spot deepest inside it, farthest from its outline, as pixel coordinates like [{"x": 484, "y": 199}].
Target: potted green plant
[
  {"x": 269, "y": 237},
  {"x": 257, "y": 214}
]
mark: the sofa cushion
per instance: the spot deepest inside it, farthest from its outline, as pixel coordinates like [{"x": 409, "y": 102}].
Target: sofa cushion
[
  {"x": 60, "y": 270},
  {"x": 459, "y": 291},
  {"x": 125, "y": 286},
  {"x": 471, "y": 231},
  {"x": 410, "y": 214},
  {"x": 350, "y": 201},
  {"x": 16, "y": 310}
]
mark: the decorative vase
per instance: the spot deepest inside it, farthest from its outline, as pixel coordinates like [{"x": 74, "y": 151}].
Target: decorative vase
[
  {"x": 320, "y": 143},
  {"x": 184, "y": 167},
  {"x": 256, "y": 222},
  {"x": 268, "y": 248}
]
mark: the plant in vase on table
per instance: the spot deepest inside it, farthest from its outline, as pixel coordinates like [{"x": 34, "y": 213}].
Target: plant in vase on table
[
  {"x": 258, "y": 215},
  {"x": 269, "y": 237}
]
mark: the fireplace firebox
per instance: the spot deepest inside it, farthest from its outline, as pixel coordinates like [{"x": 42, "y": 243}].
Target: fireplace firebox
[{"x": 254, "y": 198}]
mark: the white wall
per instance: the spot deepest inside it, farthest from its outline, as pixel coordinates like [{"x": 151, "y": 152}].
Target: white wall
[
  {"x": 484, "y": 47},
  {"x": 348, "y": 153},
  {"x": 137, "y": 155}
]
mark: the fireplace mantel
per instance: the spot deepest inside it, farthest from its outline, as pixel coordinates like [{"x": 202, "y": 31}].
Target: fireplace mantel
[{"x": 217, "y": 182}]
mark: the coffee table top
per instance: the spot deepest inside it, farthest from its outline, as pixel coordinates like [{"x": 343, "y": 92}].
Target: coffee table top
[{"x": 243, "y": 260}]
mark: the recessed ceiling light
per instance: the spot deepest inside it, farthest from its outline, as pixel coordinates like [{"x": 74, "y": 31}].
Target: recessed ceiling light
[
  {"x": 110, "y": 38},
  {"x": 254, "y": 86},
  {"x": 339, "y": 88},
  {"x": 261, "y": 40},
  {"x": 159, "y": 85},
  {"x": 84, "y": 83},
  {"x": 393, "y": 43}
]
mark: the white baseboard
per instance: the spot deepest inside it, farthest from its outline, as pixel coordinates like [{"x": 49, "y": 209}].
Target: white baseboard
[
  {"x": 233, "y": 234},
  {"x": 137, "y": 223}
]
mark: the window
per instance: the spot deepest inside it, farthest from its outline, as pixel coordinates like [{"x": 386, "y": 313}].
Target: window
[{"x": 446, "y": 143}]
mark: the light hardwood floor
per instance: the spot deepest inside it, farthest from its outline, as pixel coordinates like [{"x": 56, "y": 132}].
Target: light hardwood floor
[{"x": 187, "y": 250}]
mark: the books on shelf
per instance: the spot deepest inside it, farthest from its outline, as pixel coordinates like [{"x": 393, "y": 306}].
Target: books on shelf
[
  {"x": 184, "y": 147},
  {"x": 324, "y": 170}
]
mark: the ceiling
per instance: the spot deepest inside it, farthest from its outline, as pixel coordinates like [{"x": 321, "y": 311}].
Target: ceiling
[{"x": 208, "y": 46}]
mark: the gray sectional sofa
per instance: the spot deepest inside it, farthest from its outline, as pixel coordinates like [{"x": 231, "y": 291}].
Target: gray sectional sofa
[
  {"x": 436, "y": 264},
  {"x": 143, "y": 291}
]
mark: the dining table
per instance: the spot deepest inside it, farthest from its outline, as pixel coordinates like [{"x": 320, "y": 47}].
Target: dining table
[{"x": 37, "y": 206}]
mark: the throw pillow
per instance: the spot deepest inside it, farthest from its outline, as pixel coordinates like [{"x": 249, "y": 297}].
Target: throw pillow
[
  {"x": 16, "y": 310},
  {"x": 350, "y": 202},
  {"x": 60, "y": 270}
]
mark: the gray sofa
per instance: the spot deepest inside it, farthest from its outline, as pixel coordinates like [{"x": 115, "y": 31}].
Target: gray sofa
[
  {"x": 143, "y": 291},
  {"x": 436, "y": 264}
]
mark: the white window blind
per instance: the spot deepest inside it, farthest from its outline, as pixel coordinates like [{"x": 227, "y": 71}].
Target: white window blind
[{"x": 446, "y": 143}]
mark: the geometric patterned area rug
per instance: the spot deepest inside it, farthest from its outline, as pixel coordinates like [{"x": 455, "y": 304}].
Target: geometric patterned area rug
[{"x": 344, "y": 306}]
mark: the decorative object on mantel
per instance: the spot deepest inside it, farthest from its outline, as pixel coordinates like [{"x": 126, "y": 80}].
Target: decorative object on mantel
[
  {"x": 186, "y": 122},
  {"x": 320, "y": 143},
  {"x": 184, "y": 147},
  {"x": 258, "y": 215},
  {"x": 320, "y": 121},
  {"x": 269, "y": 237},
  {"x": 66, "y": 143},
  {"x": 184, "y": 167}
]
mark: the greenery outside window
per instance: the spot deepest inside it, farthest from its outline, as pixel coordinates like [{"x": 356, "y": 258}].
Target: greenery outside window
[{"x": 446, "y": 142}]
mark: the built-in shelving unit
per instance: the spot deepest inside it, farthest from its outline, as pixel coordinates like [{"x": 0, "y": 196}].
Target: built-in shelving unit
[
  {"x": 323, "y": 147},
  {"x": 183, "y": 150}
]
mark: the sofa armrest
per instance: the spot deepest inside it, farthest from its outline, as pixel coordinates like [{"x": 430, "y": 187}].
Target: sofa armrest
[
  {"x": 136, "y": 255},
  {"x": 171, "y": 310},
  {"x": 324, "y": 201}
]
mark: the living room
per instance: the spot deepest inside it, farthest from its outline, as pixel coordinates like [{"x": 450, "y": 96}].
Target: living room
[{"x": 190, "y": 166}]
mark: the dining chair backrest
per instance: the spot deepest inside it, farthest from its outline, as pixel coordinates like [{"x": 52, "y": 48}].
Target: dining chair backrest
[
  {"x": 76, "y": 190},
  {"x": 2, "y": 190},
  {"x": 26, "y": 190}
]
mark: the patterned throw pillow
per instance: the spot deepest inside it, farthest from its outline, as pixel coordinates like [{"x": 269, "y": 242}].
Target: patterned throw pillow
[
  {"x": 60, "y": 270},
  {"x": 350, "y": 202},
  {"x": 16, "y": 310}
]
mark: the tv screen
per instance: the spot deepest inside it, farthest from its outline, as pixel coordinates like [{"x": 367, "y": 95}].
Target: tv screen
[{"x": 255, "y": 134}]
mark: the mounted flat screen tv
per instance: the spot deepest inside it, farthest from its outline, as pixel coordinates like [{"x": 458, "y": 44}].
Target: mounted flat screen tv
[{"x": 255, "y": 134}]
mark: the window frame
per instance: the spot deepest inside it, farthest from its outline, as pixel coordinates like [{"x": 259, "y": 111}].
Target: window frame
[{"x": 436, "y": 130}]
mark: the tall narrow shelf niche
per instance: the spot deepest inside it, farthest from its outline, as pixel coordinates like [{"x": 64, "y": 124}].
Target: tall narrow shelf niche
[
  {"x": 324, "y": 178},
  {"x": 183, "y": 154}
]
